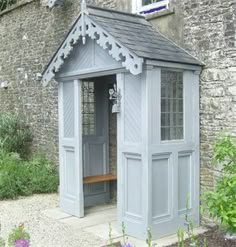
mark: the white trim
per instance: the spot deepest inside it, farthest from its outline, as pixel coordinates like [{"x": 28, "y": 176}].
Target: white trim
[
  {"x": 129, "y": 60},
  {"x": 174, "y": 65},
  {"x": 137, "y": 6}
]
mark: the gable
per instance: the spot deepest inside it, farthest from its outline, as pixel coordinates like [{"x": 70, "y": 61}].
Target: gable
[
  {"x": 86, "y": 58},
  {"x": 129, "y": 39}
]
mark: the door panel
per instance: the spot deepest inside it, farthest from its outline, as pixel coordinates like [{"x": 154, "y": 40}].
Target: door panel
[
  {"x": 70, "y": 148},
  {"x": 95, "y": 139}
]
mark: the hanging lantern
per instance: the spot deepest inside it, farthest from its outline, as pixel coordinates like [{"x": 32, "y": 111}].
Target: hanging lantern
[{"x": 115, "y": 97}]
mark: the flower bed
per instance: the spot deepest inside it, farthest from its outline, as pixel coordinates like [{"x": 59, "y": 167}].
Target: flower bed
[{"x": 214, "y": 238}]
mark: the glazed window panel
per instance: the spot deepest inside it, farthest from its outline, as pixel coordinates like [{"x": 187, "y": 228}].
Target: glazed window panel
[
  {"x": 172, "y": 115},
  {"x": 147, "y": 2},
  {"x": 88, "y": 108}
]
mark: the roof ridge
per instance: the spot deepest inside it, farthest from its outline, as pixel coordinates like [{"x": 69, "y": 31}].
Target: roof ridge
[{"x": 115, "y": 11}]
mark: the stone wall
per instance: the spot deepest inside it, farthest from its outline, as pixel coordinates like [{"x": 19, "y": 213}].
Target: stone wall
[
  {"x": 170, "y": 22},
  {"x": 207, "y": 29},
  {"x": 210, "y": 34},
  {"x": 29, "y": 35}
]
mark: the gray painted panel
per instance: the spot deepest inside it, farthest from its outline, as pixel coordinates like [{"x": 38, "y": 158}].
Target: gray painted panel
[
  {"x": 95, "y": 148},
  {"x": 132, "y": 108},
  {"x": 96, "y": 158},
  {"x": 88, "y": 56},
  {"x": 161, "y": 186},
  {"x": 133, "y": 186},
  {"x": 184, "y": 180},
  {"x": 69, "y": 169},
  {"x": 71, "y": 179},
  {"x": 68, "y": 109}
]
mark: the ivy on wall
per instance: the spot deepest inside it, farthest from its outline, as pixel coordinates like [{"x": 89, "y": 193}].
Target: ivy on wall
[{"x": 4, "y": 4}]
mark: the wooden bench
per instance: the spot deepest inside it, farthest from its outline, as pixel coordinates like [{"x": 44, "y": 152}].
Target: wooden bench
[{"x": 99, "y": 178}]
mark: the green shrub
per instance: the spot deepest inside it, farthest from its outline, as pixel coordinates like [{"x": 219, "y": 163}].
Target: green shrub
[
  {"x": 44, "y": 176},
  {"x": 23, "y": 178},
  {"x": 15, "y": 136},
  {"x": 221, "y": 202},
  {"x": 14, "y": 177}
]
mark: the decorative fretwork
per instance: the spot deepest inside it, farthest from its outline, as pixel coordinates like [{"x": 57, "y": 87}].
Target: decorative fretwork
[
  {"x": 63, "y": 53},
  {"x": 119, "y": 52}
]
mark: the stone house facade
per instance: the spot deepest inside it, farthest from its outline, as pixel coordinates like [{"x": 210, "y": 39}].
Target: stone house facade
[{"x": 30, "y": 33}]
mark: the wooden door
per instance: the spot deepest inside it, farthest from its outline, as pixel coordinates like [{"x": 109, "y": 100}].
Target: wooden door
[
  {"x": 70, "y": 148},
  {"x": 95, "y": 139}
]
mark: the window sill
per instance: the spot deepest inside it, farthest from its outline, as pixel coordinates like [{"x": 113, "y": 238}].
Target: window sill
[{"x": 155, "y": 15}]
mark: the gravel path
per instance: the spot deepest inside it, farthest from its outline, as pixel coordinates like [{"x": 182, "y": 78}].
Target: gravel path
[{"x": 44, "y": 231}]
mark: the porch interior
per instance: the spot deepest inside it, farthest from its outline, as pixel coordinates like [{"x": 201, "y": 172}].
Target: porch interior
[{"x": 99, "y": 142}]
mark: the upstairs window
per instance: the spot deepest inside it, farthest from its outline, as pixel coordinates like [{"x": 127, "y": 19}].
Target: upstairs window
[{"x": 149, "y": 6}]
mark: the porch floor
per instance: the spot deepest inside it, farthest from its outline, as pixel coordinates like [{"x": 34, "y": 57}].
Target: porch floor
[{"x": 96, "y": 222}]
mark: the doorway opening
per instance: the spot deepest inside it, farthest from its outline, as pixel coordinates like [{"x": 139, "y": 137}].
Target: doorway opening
[{"x": 99, "y": 141}]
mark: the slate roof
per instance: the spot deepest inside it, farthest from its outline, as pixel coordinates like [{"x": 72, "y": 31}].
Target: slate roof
[
  {"x": 138, "y": 35},
  {"x": 139, "y": 41}
]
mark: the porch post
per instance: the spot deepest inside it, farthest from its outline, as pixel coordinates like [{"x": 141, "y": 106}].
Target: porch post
[{"x": 133, "y": 155}]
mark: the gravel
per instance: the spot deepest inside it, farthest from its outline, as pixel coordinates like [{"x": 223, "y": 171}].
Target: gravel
[{"x": 44, "y": 231}]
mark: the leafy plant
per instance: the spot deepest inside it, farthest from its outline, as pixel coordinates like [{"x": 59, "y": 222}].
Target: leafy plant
[
  {"x": 43, "y": 174},
  {"x": 180, "y": 235},
  {"x": 2, "y": 241},
  {"x": 193, "y": 239},
  {"x": 110, "y": 236},
  {"x": 23, "y": 178},
  {"x": 14, "y": 177},
  {"x": 19, "y": 235},
  {"x": 15, "y": 135},
  {"x": 149, "y": 238},
  {"x": 221, "y": 202}
]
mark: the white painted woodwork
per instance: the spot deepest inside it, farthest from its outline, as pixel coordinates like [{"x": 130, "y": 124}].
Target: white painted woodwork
[
  {"x": 70, "y": 148},
  {"x": 156, "y": 177},
  {"x": 87, "y": 57},
  {"x": 128, "y": 59}
]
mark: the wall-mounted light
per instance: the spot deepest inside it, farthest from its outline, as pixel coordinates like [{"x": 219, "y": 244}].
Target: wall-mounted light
[
  {"x": 4, "y": 84},
  {"x": 115, "y": 97}
]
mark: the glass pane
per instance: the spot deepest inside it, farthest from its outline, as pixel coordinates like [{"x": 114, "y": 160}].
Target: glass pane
[
  {"x": 88, "y": 108},
  {"x": 171, "y": 105},
  {"x": 146, "y": 2}
]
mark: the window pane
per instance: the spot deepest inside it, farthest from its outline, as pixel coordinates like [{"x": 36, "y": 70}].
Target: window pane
[
  {"x": 171, "y": 105},
  {"x": 146, "y": 2},
  {"x": 88, "y": 108}
]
